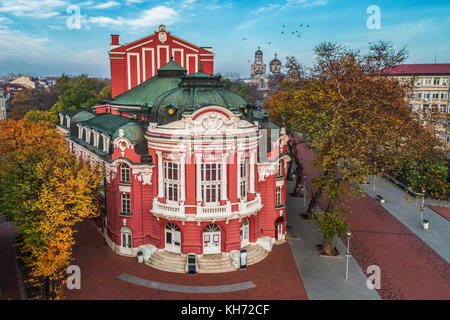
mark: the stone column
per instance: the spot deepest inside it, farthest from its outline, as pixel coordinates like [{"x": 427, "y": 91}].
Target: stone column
[{"x": 160, "y": 175}]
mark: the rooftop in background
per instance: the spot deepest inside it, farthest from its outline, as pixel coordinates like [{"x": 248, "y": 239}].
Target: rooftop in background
[{"x": 423, "y": 69}]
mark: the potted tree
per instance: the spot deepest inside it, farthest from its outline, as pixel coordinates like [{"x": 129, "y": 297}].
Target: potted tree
[{"x": 425, "y": 224}]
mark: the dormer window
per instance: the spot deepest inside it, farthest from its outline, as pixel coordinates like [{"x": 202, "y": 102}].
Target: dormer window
[
  {"x": 96, "y": 139},
  {"x": 61, "y": 119},
  {"x": 124, "y": 173}
]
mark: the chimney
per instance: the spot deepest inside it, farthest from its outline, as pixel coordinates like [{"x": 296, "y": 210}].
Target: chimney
[{"x": 114, "y": 41}]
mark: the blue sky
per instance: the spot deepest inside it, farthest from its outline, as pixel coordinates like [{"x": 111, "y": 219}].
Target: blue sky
[{"x": 35, "y": 38}]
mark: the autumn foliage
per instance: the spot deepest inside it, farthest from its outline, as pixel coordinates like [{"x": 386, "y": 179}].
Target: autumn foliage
[
  {"x": 45, "y": 191},
  {"x": 357, "y": 123}
]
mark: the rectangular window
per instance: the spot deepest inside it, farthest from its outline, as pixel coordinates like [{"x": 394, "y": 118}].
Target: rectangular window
[
  {"x": 243, "y": 178},
  {"x": 427, "y": 81},
  {"x": 444, "y": 94},
  {"x": 436, "y": 81},
  {"x": 210, "y": 182},
  {"x": 126, "y": 203},
  {"x": 419, "y": 94},
  {"x": 435, "y": 95},
  {"x": 445, "y": 81},
  {"x": 279, "y": 169},
  {"x": 278, "y": 196},
  {"x": 443, "y": 108},
  {"x": 172, "y": 181},
  {"x": 418, "y": 81},
  {"x": 125, "y": 173},
  {"x": 425, "y": 107},
  {"x": 426, "y": 95}
]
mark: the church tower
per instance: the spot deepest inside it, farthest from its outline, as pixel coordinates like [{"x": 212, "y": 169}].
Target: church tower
[{"x": 258, "y": 67}]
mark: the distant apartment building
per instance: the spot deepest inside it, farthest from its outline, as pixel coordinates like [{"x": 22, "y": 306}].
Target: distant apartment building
[
  {"x": 4, "y": 103},
  {"x": 25, "y": 81},
  {"x": 430, "y": 94}
]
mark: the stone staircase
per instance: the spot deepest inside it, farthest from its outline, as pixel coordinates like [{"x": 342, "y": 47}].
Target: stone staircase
[
  {"x": 215, "y": 263},
  {"x": 209, "y": 263},
  {"x": 167, "y": 261},
  {"x": 255, "y": 254}
]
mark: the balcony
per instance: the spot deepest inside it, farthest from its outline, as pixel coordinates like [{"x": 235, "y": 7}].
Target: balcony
[
  {"x": 250, "y": 207},
  {"x": 216, "y": 212},
  {"x": 167, "y": 210},
  {"x": 177, "y": 211}
]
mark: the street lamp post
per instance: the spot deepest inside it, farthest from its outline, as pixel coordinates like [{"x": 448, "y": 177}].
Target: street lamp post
[
  {"x": 422, "y": 207},
  {"x": 347, "y": 255},
  {"x": 304, "y": 192}
]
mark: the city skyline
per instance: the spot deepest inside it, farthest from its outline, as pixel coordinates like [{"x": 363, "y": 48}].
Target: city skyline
[{"x": 48, "y": 38}]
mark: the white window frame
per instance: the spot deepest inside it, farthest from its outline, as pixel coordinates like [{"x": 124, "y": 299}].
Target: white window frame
[
  {"x": 171, "y": 185},
  {"x": 125, "y": 199},
  {"x": 278, "y": 197},
  {"x": 125, "y": 172},
  {"x": 243, "y": 178},
  {"x": 211, "y": 186},
  {"x": 436, "y": 81}
]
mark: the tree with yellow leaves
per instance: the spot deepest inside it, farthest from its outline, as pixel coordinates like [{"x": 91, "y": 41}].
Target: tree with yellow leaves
[{"x": 45, "y": 191}]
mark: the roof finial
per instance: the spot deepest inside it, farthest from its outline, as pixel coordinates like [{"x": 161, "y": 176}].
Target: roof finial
[
  {"x": 171, "y": 58},
  {"x": 275, "y": 55}
]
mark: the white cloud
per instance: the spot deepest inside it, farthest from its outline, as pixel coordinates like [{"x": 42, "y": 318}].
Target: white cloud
[
  {"x": 148, "y": 18},
  {"x": 106, "y": 5},
  {"x": 306, "y": 3},
  {"x": 40, "y": 9},
  {"x": 128, "y": 2},
  {"x": 269, "y": 7}
]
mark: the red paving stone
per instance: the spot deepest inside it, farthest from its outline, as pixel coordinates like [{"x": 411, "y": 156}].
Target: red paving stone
[
  {"x": 8, "y": 281},
  {"x": 410, "y": 269},
  {"x": 444, "y": 212},
  {"x": 276, "y": 277}
]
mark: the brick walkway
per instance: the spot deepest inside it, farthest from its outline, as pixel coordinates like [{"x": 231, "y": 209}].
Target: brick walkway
[
  {"x": 8, "y": 281},
  {"x": 410, "y": 269},
  {"x": 276, "y": 277}
]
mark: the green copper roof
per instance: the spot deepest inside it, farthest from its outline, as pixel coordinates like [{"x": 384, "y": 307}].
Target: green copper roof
[
  {"x": 145, "y": 94},
  {"x": 106, "y": 123},
  {"x": 82, "y": 116},
  {"x": 194, "y": 92},
  {"x": 171, "y": 65},
  {"x": 131, "y": 131}
]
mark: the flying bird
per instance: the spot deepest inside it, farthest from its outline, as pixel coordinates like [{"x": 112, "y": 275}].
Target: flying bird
[{"x": 243, "y": 39}]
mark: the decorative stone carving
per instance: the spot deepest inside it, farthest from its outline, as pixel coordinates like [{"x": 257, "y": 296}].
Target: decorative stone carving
[
  {"x": 266, "y": 169},
  {"x": 144, "y": 175}
]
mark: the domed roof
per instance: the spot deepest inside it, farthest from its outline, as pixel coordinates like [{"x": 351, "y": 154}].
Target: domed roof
[
  {"x": 258, "y": 52},
  {"x": 144, "y": 94},
  {"x": 194, "y": 92},
  {"x": 131, "y": 131},
  {"x": 275, "y": 61}
]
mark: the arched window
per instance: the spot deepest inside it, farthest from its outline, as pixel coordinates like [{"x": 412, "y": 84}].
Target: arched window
[
  {"x": 211, "y": 228},
  {"x": 125, "y": 173},
  {"x": 262, "y": 83},
  {"x": 172, "y": 226}
]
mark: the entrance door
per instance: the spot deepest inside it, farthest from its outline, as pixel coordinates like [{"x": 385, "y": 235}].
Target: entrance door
[
  {"x": 211, "y": 239},
  {"x": 126, "y": 243},
  {"x": 280, "y": 231},
  {"x": 244, "y": 233},
  {"x": 173, "y": 238}
]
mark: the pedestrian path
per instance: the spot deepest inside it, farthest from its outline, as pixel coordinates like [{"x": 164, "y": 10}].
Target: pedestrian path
[
  {"x": 410, "y": 268},
  {"x": 323, "y": 277},
  {"x": 438, "y": 234},
  {"x": 9, "y": 281}
]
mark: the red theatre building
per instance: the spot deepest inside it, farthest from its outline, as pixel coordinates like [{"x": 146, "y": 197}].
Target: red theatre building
[
  {"x": 135, "y": 62},
  {"x": 191, "y": 167}
]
